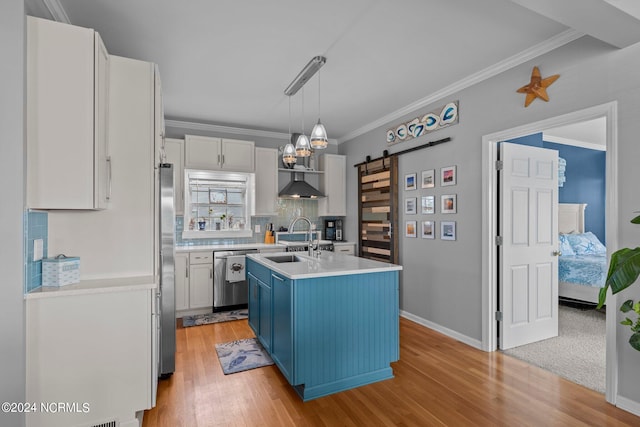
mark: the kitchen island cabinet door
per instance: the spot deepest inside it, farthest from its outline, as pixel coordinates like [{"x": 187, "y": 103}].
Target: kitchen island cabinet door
[
  {"x": 264, "y": 313},
  {"x": 282, "y": 345},
  {"x": 254, "y": 302},
  {"x": 201, "y": 286}
]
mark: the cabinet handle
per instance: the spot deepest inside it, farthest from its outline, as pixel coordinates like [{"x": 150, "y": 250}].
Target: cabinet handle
[
  {"x": 276, "y": 277},
  {"x": 186, "y": 271},
  {"x": 223, "y": 159},
  {"x": 109, "y": 175},
  {"x": 210, "y": 273},
  {"x": 219, "y": 159}
]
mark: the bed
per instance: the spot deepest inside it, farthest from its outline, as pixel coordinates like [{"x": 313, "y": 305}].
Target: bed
[{"x": 582, "y": 267}]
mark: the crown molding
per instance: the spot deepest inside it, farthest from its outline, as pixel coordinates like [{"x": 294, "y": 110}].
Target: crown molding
[
  {"x": 56, "y": 10},
  {"x": 207, "y": 127},
  {"x": 546, "y": 46}
]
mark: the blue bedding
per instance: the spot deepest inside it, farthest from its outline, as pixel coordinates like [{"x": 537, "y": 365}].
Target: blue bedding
[{"x": 588, "y": 270}]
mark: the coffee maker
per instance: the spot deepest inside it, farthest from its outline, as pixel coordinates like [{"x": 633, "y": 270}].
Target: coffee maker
[
  {"x": 333, "y": 229},
  {"x": 330, "y": 229}
]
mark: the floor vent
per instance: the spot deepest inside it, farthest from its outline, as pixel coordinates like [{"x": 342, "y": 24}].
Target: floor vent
[{"x": 112, "y": 423}]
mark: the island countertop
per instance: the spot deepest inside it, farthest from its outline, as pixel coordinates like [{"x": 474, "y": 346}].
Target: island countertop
[{"x": 327, "y": 264}]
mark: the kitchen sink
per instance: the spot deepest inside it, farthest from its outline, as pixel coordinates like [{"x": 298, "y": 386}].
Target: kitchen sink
[{"x": 284, "y": 258}]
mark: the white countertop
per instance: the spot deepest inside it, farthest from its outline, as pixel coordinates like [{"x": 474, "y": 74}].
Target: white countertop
[
  {"x": 328, "y": 264},
  {"x": 96, "y": 286},
  {"x": 225, "y": 247}
]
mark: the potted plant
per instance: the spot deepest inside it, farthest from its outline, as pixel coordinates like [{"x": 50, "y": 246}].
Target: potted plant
[{"x": 624, "y": 269}]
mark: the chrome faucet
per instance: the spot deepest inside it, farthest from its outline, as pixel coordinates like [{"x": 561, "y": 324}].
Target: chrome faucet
[{"x": 311, "y": 227}]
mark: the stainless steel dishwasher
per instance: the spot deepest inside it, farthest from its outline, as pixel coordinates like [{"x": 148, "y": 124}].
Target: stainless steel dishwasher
[{"x": 230, "y": 289}]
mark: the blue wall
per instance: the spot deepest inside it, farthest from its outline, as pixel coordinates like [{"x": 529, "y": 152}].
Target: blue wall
[{"x": 586, "y": 180}]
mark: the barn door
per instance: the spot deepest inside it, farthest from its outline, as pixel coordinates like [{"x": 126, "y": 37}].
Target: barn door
[{"x": 378, "y": 209}]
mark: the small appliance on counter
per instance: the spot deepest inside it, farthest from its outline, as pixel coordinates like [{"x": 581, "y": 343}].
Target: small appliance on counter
[
  {"x": 60, "y": 271},
  {"x": 333, "y": 229}
]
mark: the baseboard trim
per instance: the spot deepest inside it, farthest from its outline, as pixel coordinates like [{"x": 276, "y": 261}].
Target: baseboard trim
[
  {"x": 628, "y": 405},
  {"x": 445, "y": 331}
]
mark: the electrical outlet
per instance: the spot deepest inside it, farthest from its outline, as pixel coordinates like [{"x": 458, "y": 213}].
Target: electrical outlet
[
  {"x": 38, "y": 249},
  {"x": 256, "y": 228}
]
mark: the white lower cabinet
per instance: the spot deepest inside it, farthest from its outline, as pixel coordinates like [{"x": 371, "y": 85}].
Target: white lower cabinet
[
  {"x": 182, "y": 282},
  {"x": 201, "y": 286},
  {"x": 194, "y": 283},
  {"x": 344, "y": 248},
  {"x": 94, "y": 353}
]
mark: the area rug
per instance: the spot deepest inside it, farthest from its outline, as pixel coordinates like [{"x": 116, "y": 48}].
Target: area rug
[
  {"x": 577, "y": 353},
  {"x": 242, "y": 355},
  {"x": 205, "y": 319}
]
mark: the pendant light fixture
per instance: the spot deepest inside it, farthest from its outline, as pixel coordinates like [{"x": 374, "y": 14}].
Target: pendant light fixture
[
  {"x": 319, "y": 140},
  {"x": 303, "y": 148},
  {"x": 289, "y": 152}
]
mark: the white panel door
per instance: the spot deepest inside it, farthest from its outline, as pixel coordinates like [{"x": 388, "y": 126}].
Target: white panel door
[{"x": 528, "y": 256}]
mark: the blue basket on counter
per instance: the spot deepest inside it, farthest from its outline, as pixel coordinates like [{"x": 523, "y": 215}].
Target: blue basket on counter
[{"x": 60, "y": 271}]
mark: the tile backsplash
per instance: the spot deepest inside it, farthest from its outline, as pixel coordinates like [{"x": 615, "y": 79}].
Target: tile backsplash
[
  {"x": 36, "y": 226},
  {"x": 288, "y": 210}
]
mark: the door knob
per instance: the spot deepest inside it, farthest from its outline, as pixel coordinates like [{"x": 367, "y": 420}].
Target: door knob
[{"x": 557, "y": 253}]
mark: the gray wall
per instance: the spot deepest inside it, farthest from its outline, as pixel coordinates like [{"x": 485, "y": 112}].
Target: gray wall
[
  {"x": 441, "y": 281},
  {"x": 12, "y": 318}
]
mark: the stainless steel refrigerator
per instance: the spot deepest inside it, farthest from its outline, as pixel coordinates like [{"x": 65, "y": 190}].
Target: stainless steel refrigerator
[{"x": 167, "y": 323}]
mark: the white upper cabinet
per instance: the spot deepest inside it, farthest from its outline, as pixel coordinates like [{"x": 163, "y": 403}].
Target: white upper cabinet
[
  {"x": 266, "y": 181},
  {"x": 219, "y": 154},
  {"x": 333, "y": 185},
  {"x": 67, "y": 115},
  {"x": 174, "y": 151}
]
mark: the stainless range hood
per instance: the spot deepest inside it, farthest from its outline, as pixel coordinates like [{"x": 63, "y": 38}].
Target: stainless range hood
[{"x": 298, "y": 188}]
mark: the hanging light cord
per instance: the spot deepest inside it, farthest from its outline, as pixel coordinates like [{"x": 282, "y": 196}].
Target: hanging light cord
[
  {"x": 289, "y": 118},
  {"x": 319, "y": 72},
  {"x": 303, "y": 110}
]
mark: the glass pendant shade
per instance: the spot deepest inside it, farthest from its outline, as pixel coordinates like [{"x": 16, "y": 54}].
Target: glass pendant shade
[
  {"x": 319, "y": 138},
  {"x": 303, "y": 148},
  {"x": 289, "y": 155}
]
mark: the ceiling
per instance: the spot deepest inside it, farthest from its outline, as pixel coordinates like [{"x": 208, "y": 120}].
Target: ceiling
[{"x": 227, "y": 62}]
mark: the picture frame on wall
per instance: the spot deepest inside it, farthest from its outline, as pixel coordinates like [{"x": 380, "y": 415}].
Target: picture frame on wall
[
  {"x": 429, "y": 178},
  {"x": 428, "y": 205},
  {"x": 410, "y": 229},
  {"x": 410, "y": 205},
  {"x": 448, "y": 176},
  {"x": 448, "y": 204},
  {"x": 410, "y": 181},
  {"x": 448, "y": 230},
  {"x": 428, "y": 229}
]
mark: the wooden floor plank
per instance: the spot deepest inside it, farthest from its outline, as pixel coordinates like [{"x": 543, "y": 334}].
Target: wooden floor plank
[{"x": 438, "y": 382}]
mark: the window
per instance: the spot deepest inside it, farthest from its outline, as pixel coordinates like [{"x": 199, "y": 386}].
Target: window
[{"x": 218, "y": 204}]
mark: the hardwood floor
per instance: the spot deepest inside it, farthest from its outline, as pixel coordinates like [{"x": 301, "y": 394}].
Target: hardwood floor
[{"x": 438, "y": 381}]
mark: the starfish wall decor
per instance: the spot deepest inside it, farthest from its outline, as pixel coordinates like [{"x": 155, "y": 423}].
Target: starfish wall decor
[{"x": 537, "y": 87}]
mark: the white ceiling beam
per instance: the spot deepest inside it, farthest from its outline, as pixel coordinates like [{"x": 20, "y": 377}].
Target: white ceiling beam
[{"x": 596, "y": 18}]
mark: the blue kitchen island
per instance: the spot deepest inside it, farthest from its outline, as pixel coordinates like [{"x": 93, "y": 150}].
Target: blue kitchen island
[{"x": 330, "y": 323}]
